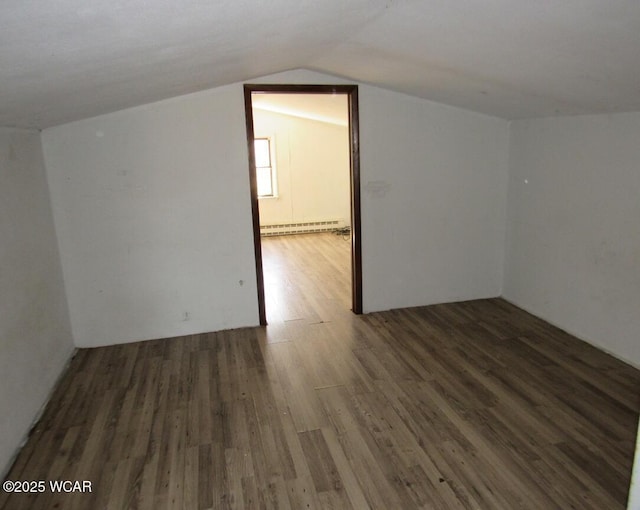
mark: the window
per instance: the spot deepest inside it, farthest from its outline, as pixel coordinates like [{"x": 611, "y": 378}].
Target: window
[{"x": 264, "y": 168}]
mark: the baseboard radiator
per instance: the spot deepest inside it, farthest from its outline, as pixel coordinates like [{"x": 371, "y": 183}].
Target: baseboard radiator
[{"x": 308, "y": 227}]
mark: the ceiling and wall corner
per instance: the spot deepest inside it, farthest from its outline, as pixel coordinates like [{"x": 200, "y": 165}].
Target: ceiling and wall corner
[{"x": 63, "y": 61}]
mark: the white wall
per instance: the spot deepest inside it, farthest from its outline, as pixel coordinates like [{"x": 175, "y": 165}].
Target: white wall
[
  {"x": 434, "y": 199},
  {"x": 434, "y": 186},
  {"x": 35, "y": 336},
  {"x": 573, "y": 253},
  {"x": 152, "y": 210},
  {"x": 312, "y": 161},
  {"x": 153, "y": 216}
]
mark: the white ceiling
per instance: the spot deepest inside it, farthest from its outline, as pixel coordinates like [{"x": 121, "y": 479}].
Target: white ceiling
[
  {"x": 67, "y": 59},
  {"x": 330, "y": 108}
]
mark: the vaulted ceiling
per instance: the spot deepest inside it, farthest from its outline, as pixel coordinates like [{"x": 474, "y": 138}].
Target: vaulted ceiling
[{"x": 68, "y": 59}]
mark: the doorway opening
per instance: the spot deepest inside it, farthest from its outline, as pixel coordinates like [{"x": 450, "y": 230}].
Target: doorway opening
[{"x": 263, "y": 168}]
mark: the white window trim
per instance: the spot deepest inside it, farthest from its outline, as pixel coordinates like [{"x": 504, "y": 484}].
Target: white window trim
[{"x": 274, "y": 170}]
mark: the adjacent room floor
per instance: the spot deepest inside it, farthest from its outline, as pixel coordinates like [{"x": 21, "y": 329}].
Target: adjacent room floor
[
  {"x": 469, "y": 405},
  {"x": 307, "y": 277}
]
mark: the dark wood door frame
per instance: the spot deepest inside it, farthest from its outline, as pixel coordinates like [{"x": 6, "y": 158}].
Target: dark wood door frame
[{"x": 354, "y": 144}]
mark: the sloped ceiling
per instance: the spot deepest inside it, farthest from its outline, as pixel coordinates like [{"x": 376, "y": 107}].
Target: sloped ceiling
[{"x": 68, "y": 59}]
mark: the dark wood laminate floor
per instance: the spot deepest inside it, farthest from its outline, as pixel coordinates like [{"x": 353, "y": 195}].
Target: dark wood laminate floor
[{"x": 470, "y": 405}]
